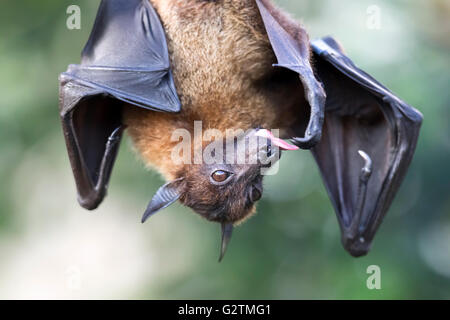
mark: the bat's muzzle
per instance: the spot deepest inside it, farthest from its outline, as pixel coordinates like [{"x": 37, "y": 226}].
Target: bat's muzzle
[{"x": 283, "y": 145}]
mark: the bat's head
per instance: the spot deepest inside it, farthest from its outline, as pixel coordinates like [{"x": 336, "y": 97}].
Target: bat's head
[{"x": 226, "y": 179}]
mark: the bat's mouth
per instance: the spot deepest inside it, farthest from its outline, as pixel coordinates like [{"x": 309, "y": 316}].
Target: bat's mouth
[{"x": 280, "y": 143}]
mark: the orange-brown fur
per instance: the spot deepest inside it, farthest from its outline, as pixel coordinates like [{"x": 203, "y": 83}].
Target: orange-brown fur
[{"x": 222, "y": 60}]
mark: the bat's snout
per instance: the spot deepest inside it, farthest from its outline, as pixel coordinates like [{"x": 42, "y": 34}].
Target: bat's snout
[{"x": 275, "y": 141}]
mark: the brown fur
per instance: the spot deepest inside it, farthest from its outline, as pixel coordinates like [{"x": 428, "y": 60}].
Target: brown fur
[
  {"x": 222, "y": 66},
  {"x": 220, "y": 55}
]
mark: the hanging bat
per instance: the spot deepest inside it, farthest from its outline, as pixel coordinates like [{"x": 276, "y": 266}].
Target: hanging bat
[{"x": 154, "y": 67}]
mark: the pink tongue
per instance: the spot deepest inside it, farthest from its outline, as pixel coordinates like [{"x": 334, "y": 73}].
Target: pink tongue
[{"x": 283, "y": 145}]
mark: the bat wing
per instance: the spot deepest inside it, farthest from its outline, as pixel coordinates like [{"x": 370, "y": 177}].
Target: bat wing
[
  {"x": 126, "y": 60},
  {"x": 368, "y": 140},
  {"x": 291, "y": 47},
  {"x": 362, "y": 136}
]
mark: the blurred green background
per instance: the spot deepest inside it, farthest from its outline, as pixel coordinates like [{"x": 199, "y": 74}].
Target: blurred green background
[{"x": 51, "y": 248}]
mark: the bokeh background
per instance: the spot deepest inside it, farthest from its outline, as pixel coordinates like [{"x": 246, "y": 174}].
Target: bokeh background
[{"x": 51, "y": 248}]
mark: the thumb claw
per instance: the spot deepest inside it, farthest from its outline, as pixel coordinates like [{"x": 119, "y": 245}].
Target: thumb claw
[{"x": 227, "y": 231}]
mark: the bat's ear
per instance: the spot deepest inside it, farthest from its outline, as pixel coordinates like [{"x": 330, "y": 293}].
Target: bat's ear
[
  {"x": 290, "y": 44},
  {"x": 164, "y": 197},
  {"x": 125, "y": 60}
]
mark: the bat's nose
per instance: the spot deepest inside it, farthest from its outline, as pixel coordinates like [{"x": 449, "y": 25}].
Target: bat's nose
[{"x": 269, "y": 148}]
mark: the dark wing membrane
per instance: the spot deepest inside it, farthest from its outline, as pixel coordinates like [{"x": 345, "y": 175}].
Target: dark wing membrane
[
  {"x": 368, "y": 140},
  {"x": 291, "y": 48},
  {"x": 125, "y": 60}
]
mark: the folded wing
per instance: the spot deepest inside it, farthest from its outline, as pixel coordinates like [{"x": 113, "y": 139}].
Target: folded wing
[
  {"x": 368, "y": 140},
  {"x": 126, "y": 60}
]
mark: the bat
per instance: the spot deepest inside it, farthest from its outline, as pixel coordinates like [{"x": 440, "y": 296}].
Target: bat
[{"x": 152, "y": 68}]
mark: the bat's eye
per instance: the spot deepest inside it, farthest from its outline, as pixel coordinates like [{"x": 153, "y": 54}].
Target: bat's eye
[{"x": 220, "y": 176}]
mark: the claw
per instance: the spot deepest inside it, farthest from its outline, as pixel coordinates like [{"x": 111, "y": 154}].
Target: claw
[
  {"x": 108, "y": 158},
  {"x": 227, "y": 231},
  {"x": 352, "y": 236},
  {"x": 366, "y": 171}
]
